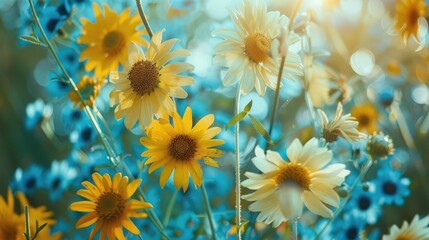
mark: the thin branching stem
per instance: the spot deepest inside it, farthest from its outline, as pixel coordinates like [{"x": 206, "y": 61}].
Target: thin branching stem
[
  {"x": 113, "y": 156},
  {"x": 209, "y": 211}
]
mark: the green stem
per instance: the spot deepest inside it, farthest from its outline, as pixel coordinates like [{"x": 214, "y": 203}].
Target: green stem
[
  {"x": 144, "y": 19},
  {"x": 237, "y": 166},
  {"x": 424, "y": 127},
  {"x": 170, "y": 208},
  {"x": 208, "y": 211},
  {"x": 361, "y": 176},
  {"x": 294, "y": 228},
  {"x": 113, "y": 157},
  {"x": 27, "y": 223},
  {"x": 276, "y": 98}
]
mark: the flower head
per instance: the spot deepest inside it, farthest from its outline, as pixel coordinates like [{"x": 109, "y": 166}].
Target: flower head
[
  {"x": 12, "y": 224},
  {"x": 109, "y": 206},
  {"x": 344, "y": 126},
  {"x": 283, "y": 187},
  {"x": 367, "y": 116},
  {"x": 379, "y": 146},
  {"x": 148, "y": 82},
  {"x": 409, "y": 14},
  {"x": 246, "y": 52},
  {"x": 418, "y": 229},
  {"x": 89, "y": 89},
  {"x": 108, "y": 38},
  {"x": 179, "y": 148}
]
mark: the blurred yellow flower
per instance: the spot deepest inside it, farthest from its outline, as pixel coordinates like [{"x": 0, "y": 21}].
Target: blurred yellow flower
[
  {"x": 179, "y": 148},
  {"x": 89, "y": 89},
  {"x": 417, "y": 229},
  {"x": 408, "y": 13},
  {"x": 12, "y": 224},
  {"x": 367, "y": 116},
  {"x": 110, "y": 207},
  {"x": 108, "y": 38}
]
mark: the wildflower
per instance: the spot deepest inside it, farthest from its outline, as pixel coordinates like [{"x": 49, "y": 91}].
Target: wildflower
[
  {"x": 12, "y": 224},
  {"x": 392, "y": 186},
  {"x": 59, "y": 178},
  {"x": 179, "y": 148},
  {"x": 344, "y": 126},
  {"x": 409, "y": 17},
  {"x": 246, "y": 51},
  {"x": 28, "y": 180},
  {"x": 109, "y": 206},
  {"x": 149, "y": 82},
  {"x": 350, "y": 227},
  {"x": 418, "y": 229},
  {"x": 89, "y": 89},
  {"x": 379, "y": 146},
  {"x": 366, "y": 115},
  {"x": 108, "y": 38},
  {"x": 283, "y": 186},
  {"x": 365, "y": 203},
  {"x": 35, "y": 112}
]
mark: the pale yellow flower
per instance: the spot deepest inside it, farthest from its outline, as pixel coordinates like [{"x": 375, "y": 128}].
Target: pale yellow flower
[{"x": 418, "y": 229}]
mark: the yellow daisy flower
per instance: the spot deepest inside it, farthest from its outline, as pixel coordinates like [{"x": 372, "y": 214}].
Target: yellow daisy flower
[
  {"x": 108, "y": 38},
  {"x": 148, "y": 82},
  {"x": 417, "y": 230},
  {"x": 408, "y": 15},
  {"x": 367, "y": 116},
  {"x": 282, "y": 188},
  {"x": 12, "y": 224},
  {"x": 109, "y": 206},
  {"x": 89, "y": 88},
  {"x": 246, "y": 51},
  {"x": 179, "y": 148}
]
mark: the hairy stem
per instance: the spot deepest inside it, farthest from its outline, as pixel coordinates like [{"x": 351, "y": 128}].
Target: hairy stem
[{"x": 237, "y": 166}]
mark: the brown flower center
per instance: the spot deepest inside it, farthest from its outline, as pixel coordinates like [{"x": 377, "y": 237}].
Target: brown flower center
[
  {"x": 294, "y": 173},
  {"x": 110, "y": 206},
  {"x": 144, "y": 77},
  {"x": 113, "y": 43},
  {"x": 256, "y": 47},
  {"x": 363, "y": 120},
  {"x": 182, "y": 147},
  {"x": 403, "y": 238},
  {"x": 413, "y": 16}
]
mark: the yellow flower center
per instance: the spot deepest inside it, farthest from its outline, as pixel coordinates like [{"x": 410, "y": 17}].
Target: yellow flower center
[
  {"x": 87, "y": 91},
  {"x": 113, "y": 42},
  {"x": 256, "y": 47},
  {"x": 144, "y": 77},
  {"x": 182, "y": 147},
  {"x": 393, "y": 68},
  {"x": 110, "y": 206},
  {"x": 295, "y": 173}
]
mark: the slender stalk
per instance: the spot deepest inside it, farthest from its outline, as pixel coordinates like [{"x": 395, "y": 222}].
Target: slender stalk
[
  {"x": 27, "y": 222},
  {"x": 113, "y": 157},
  {"x": 237, "y": 166},
  {"x": 170, "y": 208},
  {"x": 279, "y": 76},
  {"x": 208, "y": 211},
  {"x": 144, "y": 19},
  {"x": 294, "y": 228},
  {"x": 424, "y": 127},
  {"x": 409, "y": 141},
  {"x": 276, "y": 97},
  {"x": 361, "y": 176}
]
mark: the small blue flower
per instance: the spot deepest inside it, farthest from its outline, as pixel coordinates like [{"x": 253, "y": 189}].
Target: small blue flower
[
  {"x": 35, "y": 112},
  {"x": 350, "y": 227},
  {"x": 59, "y": 178},
  {"x": 83, "y": 136},
  {"x": 391, "y": 186},
  {"x": 365, "y": 204},
  {"x": 28, "y": 180}
]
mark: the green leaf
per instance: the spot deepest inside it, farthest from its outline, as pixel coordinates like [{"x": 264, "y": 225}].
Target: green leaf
[
  {"x": 33, "y": 40},
  {"x": 260, "y": 129},
  {"x": 239, "y": 116},
  {"x": 38, "y": 230}
]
